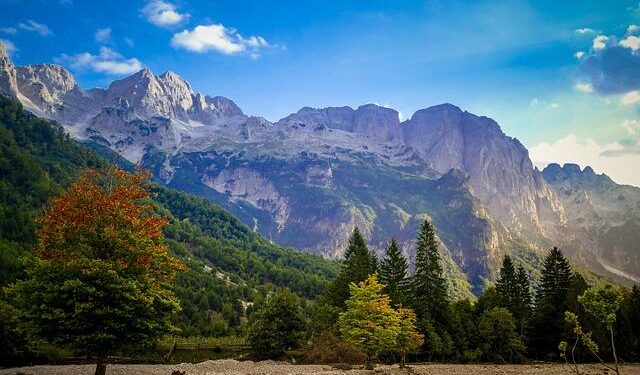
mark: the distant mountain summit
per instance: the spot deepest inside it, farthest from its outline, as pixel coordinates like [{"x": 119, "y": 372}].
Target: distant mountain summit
[{"x": 308, "y": 179}]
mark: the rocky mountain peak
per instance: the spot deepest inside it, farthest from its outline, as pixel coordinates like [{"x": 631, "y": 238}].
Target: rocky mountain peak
[
  {"x": 8, "y": 81},
  {"x": 376, "y": 122},
  {"x": 225, "y": 105},
  {"x": 571, "y": 177}
]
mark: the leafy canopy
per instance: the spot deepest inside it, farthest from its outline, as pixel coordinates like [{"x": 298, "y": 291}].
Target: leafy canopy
[{"x": 101, "y": 278}]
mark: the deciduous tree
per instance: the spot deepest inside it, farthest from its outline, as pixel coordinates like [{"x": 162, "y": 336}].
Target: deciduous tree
[
  {"x": 369, "y": 322},
  {"x": 101, "y": 280}
]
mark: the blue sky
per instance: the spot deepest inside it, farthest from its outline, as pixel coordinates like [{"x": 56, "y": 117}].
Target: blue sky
[{"x": 562, "y": 77}]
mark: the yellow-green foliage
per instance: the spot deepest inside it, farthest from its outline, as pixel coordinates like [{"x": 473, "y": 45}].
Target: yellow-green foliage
[
  {"x": 373, "y": 326},
  {"x": 369, "y": 323}
]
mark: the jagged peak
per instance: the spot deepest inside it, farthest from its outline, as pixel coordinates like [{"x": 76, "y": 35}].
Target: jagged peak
[{"x": 3, "y": 50}]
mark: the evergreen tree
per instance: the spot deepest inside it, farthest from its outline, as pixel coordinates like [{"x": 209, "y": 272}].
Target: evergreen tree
[
  {"x": 523, "y": 307},
  {"x": 359, "y": 263},
  {"x": 514, "y": 292},
  {"x": 507, "y": 285},
  {"x": 551, "y": 303},
  {"x": 393, "y": 274},
  {"x": 429, "y": 293}
]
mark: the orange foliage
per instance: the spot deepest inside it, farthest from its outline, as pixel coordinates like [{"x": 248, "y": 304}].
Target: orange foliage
[{"x": 106, "y": 215}]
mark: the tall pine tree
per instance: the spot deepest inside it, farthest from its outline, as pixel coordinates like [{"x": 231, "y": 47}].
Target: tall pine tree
[
  {"x": 429, "y": 294},
  {"x": 507, "y": 285},
  {"x": 551, "y": 303},
  {"x": 359, "y": 263},
  {"x": 523, "y": 307},
  {"x": 513, "y": 290},
  {"x": 393, "y": 274}
]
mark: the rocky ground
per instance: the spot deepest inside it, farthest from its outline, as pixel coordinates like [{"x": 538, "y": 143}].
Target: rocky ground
[{"x": 233, "y": 367}]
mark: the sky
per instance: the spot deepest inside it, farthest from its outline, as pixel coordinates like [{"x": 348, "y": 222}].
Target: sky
[{"x": 563, "y": 77}]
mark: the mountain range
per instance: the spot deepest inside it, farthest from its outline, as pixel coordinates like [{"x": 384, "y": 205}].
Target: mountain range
[{"x": 306, "y": 180}]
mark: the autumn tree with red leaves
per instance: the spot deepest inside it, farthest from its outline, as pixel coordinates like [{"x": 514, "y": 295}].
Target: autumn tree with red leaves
[{"x": 101, "y": 278}]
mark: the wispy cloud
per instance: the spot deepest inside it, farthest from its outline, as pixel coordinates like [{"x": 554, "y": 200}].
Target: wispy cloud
[
  {"x": 102, "y": 35},
  {"x": 36, "y": 27},
  {"x": 162, "y": 13},
  {"x": 9, "y": 30},
  {"x": 630, "y": 98},
  {"x": 217, "y": 37},
  {"x": 107, "y": 61},
  {"x": 584, "y": 87},
  {"x": 585, "y": 31}
]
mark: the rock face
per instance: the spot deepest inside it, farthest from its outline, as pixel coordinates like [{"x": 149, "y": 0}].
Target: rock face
[
  {"x": 308, "y": 179},
  {"x": 500, "y": 172},
  {"x": 604, "y": 215},
  {"x": 8, "y": 81}
]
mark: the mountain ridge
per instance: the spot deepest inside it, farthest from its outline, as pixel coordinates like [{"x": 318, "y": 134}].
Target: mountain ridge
[{"x": 344, "y": 159}]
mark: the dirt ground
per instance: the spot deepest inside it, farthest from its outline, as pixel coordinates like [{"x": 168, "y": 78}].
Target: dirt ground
[{"x": 234, "y": 367}]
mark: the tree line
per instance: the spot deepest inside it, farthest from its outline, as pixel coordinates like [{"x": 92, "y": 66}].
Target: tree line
[{"x": 563, "y": 319}]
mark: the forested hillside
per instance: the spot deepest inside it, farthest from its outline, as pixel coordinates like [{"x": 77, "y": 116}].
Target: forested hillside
[{"x": 228, "y": 264}]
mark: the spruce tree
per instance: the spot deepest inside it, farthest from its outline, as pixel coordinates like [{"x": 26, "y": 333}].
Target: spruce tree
[
  {"x": 429, "y": 293},
  {"x": 393, "y": 274},
  {"x": 551, "y": 303},
  {"x": 513, "y": 290},
  {"x": 358, "y": 264},
  {"x": 523, "y": 307},
  {"x": 507, "y": 285}
]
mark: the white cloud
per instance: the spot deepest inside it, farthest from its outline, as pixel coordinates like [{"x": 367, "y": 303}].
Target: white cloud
[
  {"x": 630, "y": 98},
  {"x": 631, "y": 126},
  {"x": 219, "y": 38},
  {"x": 585, "y": 30},
  {"x": 8, "y": 46},
  {"x": 614, "y": 159},
  {"x": 102, "y": 35},
  {"x": 162, "y": 13},
  {"x": 584, "y": 87},
  {"x": 554, "y": 105},
  {"x": 600, "y": 42},
  {"x": 35, "y": 27},
  {"x": 579, "y": 55},
  {"x": 632, "y": 29},
  {"x": 9, "y": 30},
  {"x": 129, "y": 42},
  {"x": 632, "y": 42},
  {"x": 107, "y": 61}
]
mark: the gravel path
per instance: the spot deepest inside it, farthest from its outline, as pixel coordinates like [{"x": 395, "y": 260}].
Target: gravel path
[{"x": 233, "y": 367}]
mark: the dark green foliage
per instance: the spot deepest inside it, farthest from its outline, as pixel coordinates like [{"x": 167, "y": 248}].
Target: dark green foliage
[
  {"x": 429, "y": 297},
  {"x": 358, "y": 264},
  {"x": 227, "y": 262},
  {"x": 393, "y": 274},
  {"x": 628, "y": 325},
  {"x": 548, "y": 325},
  {"x": 429, "y": 288},
  {"x": 498, "y": 337},
  {"x": 277, "y": 326},
  {"x": 514, "y": 292}
]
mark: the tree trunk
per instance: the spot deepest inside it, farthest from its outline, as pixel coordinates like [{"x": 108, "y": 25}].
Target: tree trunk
[
  {"x": 402, "y": 360},
  {"x": 367, "y": 364},
  {"x": 613, "y": 349},
  {"x": 101, "y": 366}
]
